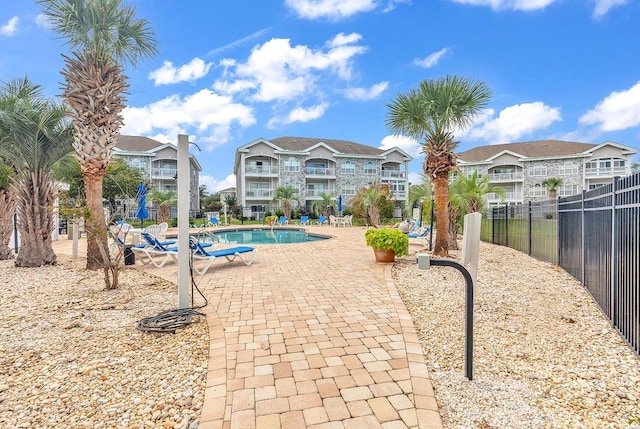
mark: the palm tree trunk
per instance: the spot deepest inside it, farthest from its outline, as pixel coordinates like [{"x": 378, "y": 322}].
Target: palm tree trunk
[
  {"x": 95, "y": 225},
  {"x": 34, "y": 194},
  {"x": 441, "y": 191},
  {"x": 7, "y": 208}
]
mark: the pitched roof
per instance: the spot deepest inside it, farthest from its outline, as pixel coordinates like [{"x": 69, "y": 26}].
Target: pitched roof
[
  {"x": 136, "y": 143},
  {"x": 533, "y": 149},
  {"x": 298, "y": 144}
]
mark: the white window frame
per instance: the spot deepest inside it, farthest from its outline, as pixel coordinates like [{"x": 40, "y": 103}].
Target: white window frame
[
  {"x": 568, "y": 168},
  {"x": 291, "y": 165},
  {"x": 567, "y": 189},
  {"x": 537, "y": 170},
  {"x": 348, "y": 190},
  {"x": 348, "y": 167},
  {"x": 370, "y": 168}
]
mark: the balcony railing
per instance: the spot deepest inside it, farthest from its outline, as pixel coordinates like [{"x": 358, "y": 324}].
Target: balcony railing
[
  {"x": 165, "y": 173},
  {"x": 399, "y": 195},
  {"x": 264, "y": 169},
  {"x": 508, "y": 196},
  {"x": 605, "y": 171},
  {"x": 505, "y": 177},
  {"x": 394, "y": 174},
  {"x": 317, "y": 192},
  {"x": 259, "y": 193},
  {"x": 318, "y": 171}
]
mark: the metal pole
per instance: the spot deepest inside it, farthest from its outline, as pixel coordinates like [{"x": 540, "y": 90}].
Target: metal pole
[
  {"x": 184, "y": 274},
  {"x": 15, "y": 232},
  {"x": 431, "y": 227}
]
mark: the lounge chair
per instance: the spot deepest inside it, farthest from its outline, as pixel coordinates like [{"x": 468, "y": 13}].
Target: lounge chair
[
  {"x": 322, "y": 220},
  {"x": 420, "y": 232},
  {"x": 214, "y": 222},
  {"x": 209, "y": 256},
  {"x": 154, "y": 251},
  {"x": 304, "y": 220},
  {"x": 283, "y": 220}
]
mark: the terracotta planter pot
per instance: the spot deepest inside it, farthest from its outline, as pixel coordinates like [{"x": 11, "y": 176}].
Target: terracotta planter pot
[{"x": 383, "y": 255}]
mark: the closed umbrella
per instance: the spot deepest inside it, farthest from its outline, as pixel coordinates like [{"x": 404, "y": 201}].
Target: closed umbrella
[
  {"x": 340, "y": 205},
  {"x": 141, "y": 195}
]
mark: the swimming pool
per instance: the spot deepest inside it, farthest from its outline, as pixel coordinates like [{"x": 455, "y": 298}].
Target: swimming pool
[{"x": 264, "y": 236}]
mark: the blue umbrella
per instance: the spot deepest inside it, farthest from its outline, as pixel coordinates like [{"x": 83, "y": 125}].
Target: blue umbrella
[
  {"x": 141, "y": 195},
  {"x": 340, "y": 205}
]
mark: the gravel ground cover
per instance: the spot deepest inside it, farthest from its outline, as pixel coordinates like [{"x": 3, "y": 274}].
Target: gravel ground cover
[
  {"x": 72, "y": 357},
  {"x": 544, "y": 355}
]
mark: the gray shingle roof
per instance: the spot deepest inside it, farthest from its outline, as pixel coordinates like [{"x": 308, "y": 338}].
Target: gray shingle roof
[
  {"x": 136, "y": 143},
  {"x": 297, "y": 144},
  {"x": 533, "y": 149}
]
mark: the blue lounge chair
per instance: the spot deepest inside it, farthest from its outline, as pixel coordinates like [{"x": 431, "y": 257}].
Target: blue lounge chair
[
  {"x": 214, "y": 221},
  {"x": 154, "y": 251},
  {"x": 209, "y": 256},
  {"x": 419, "y": 234},
  {"x": 304, "y": 220},
  {"x": 322, "y": 220},
  {"x": 283, "y": 220}
]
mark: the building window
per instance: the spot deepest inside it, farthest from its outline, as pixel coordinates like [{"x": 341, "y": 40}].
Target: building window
[
  {"x": 370, "y": 168},
  {"x": 538, "y": 191},
  {"x": 568, "y": 168},
  {"x": 537, "y": 170},
  {"x": 348, "y": 190},
  {"x": 291, "y": 165},
  {"x": 567, "y": 189},
  {"x": 348, "y": 168}
]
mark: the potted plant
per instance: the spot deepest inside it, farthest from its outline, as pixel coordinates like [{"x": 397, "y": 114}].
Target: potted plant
[
  {"x": 387, "y": 243},
  {"x": 271, "y": 220}
]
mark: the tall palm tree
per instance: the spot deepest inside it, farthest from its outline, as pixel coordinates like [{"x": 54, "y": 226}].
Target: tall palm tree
[
  {"x": 34, "y": 135},
  {"x": 7, "y": 207},
  {"x": 430, "y": 114},
  {"x": 102, "y": 35},
  {"x": 286, "y": 195},
  {"x": 552, "y": 184}
]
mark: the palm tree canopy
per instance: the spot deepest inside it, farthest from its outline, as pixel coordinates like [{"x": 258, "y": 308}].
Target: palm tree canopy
[
  {"x": 552, "y": 182},
  {"x": 437, "y": 108},
  {"x": 469, "y": 193},
  {"x": 106, "y": 28},
  {"x": 286, "y": 194},
  {"x": 163, "y": 198}
]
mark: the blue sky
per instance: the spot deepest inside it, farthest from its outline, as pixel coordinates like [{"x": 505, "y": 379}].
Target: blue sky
[{"x": 230, "y": 72}]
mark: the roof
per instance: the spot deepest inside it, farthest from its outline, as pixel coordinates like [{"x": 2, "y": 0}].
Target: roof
[
  {"x": 300, "y": 144},
  {"x": 136, "y": 143},
  {"x": 533, "y": 149}
]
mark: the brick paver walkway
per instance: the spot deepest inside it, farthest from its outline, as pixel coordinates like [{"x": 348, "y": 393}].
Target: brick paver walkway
[{"x": 311, "y": 335}]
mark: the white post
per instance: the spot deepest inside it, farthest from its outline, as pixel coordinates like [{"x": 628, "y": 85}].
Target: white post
[
  {"x": 471, "y": 243},
  {"x": 75, "y": 228},
  {"x": 184, "y": 275},
  {"x": 225, "y": 214}
]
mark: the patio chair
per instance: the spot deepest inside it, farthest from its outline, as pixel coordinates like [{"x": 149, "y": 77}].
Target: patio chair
[
  {"x": 153, "y": 251},
  {"x": 209, "y": 256},
  {"x": 283, "y": 220},
  {"x": 153, "y": 230},
  {"x": 214, "y": 222},
  {"x": 304, "y": 220},
  {"x": 163, "y": 228},
  {"x": 322, "y": 220},
  {"x": 348, "y": 220}
]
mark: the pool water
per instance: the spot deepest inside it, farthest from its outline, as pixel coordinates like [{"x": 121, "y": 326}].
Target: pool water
[{"x": 266, "y": 236}]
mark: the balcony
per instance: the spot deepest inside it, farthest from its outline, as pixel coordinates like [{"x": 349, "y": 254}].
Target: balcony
[
  {"x": 319, "y": 172},
  {"x": 164, "y": 173},
  {"x": 605, "y": 172},
  {"x": 317, "y": 192},
  {"x": 259, "y": 194},
  {"x": 508, "y": 196},
  {"x": 506, "y": 177},
  {"x": 399, "y": 195},
  {"x": 260, "y": 170},
  {"x": 394, "y": 174}
]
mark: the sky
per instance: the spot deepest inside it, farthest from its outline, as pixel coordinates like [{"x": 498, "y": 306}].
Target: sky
[{"x": 230, "y": 72}]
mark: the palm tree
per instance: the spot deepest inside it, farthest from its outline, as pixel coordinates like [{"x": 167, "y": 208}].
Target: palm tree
[
  {"x": 319, "y": 207},
  {"x": 286, "y": 195},
  {"x": 102, "y": 35},
  {"x": 369, "y": 200},
  {"x": 34, "y": 135},
  {"x": 430, "y": 114},
  {"x": 164, "y": 200},
  {"x": 552, "y": 184},
  {"x": 421, "y": 194},
  {"x": 7, "y": 208}
]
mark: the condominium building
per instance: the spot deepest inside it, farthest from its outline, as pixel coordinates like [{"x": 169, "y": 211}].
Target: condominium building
[
  {"x": 158, "y": 163},
  {"x": 315, "y": 166},
  {"x": 520, "y": 168}
]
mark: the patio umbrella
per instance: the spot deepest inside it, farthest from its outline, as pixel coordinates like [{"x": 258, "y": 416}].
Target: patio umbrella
[
  {"x": 340, "y": 205},
  {"x": 141, "y": 196}
]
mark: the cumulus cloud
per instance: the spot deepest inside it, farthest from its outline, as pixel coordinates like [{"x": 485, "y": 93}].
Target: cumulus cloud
[
  {"x": 513, "y": 122},
  {"x": 603, "y": 6},
  {"x": 169, "y": 74},
  {"x": 431, "y": 60},
  {"x": 366, "y": 93},
  {"x": 525, "y": 5},
  {"x": 210, "y": 113},
  {"x": 618, "y": 111},
  {"x": 407, "y": 144},
  {"x": 214, "y": 185},
  {"x": 11, "y": 27},
  {"x": 300, "y": 114},
  {"x": 330, "y": 9}
]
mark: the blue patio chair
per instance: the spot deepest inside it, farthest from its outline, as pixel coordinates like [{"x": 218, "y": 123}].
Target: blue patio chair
[
  {"x": 304, "y": 220},
  {"x": 209, "y": 256},
  {"x": 156, "y": 252},
  {"x": 420, "y": 233},
  {"x": 322, "y": 220},
  {"x": 214, "y": 222},
  {"x": 283, "y": 220}
]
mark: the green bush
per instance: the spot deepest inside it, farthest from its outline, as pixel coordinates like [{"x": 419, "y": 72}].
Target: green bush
[{"x": 388, "y": 239}]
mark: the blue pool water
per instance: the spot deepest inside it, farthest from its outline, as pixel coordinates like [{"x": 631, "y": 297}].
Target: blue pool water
[{"x": 265, "y": 236}]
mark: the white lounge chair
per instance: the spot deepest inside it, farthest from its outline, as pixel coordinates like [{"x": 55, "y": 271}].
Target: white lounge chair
[{"x": 209, "y": 256}]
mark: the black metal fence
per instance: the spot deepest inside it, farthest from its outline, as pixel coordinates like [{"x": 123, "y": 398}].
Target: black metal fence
[{"x": 594, "y": 236}]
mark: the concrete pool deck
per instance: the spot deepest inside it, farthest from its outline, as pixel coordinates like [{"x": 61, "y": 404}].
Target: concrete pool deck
[{"x": 310, "y": 335}]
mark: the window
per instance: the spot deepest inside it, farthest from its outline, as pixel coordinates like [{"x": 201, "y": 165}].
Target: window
[
  {"x": 348, "y": 168},
  {"x": 291, "y": 165},
  {"x": 348, "y": 190},
  {"x": 567, "y": 189},
  {"x": 538, "y": 191},
  {"x": 370, "y": 168},
  {"x": 538, "y": 170},
  {"x": 568, "y": 168}
]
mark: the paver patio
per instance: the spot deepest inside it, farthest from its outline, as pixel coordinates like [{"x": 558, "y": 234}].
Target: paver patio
[{"x": 311, "y": 335}]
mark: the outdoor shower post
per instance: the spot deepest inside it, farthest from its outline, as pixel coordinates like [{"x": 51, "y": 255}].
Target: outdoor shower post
[{"x": 184, "y": 272}]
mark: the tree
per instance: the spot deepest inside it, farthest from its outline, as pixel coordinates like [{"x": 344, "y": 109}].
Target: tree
[
  {"x": 552, "y": 184},
  {"x": 7, "y": 209},
  {"x": 164, "y": 200},
  {"x": 102, "y": 35},
  {"x": 231, "y": 200},
  {"x": 373, "y": 201},
  {"x": 286, "y": 195},
  {"x": 320, "y": 206},
  {"x": 421, "y": 194},
  {"x": 34, "y": 135},
  {"x": 430, "y": 114}
]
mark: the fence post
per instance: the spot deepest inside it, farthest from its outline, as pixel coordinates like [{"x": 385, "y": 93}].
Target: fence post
[
  {"x": 582, "y": 255},
  {"x": 614, "y": 258},
  {"x": 493, "y": 225},
  {"x": 506, "y": 225},
  {"x": 530, "y": 227}
]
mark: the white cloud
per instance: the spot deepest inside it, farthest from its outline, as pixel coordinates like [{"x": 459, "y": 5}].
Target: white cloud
[
  {"x": 168, "y": 74},
  {"x": 11, "y": 27},
  {"x": 330, "y": 9},
  {"x": 300, "y": 114},
  {"x": 525, "y": 5},
  {"x": 513, "y": 122},
  {"x": 603, "y": 6},
  {"x": 366, "y": 93},
  {"x": 211, "y": 114},
  {"x": 618, "y": 111},
  {"x": 214, "y": 185},
  {"x": 431, "y": 60},
  {"x": 407, "y": 144},
  {"x": 416, "y": 178}
]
